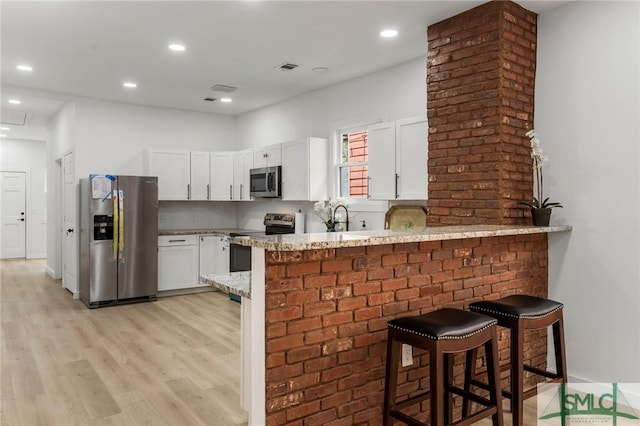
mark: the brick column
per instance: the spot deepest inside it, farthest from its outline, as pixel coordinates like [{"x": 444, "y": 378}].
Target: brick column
[{"x": 480, "y": 101}]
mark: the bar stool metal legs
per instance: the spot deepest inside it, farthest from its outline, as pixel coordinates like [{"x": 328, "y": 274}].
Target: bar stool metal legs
[{"x": 442, "y": 333}]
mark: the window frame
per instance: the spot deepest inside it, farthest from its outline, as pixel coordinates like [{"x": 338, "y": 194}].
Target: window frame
[{"x": 355, "y": 203}]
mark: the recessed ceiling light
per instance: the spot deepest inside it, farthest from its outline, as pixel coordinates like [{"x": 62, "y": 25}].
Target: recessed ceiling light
[
  {"x": 226, "y": 100},
  {"x": 5, "y": 128},
  {"x": 388, "y": 33},
  {"x": 130, "y": 84},
  {"x": 320, "y": 70},
  {"x": 24, "y": 68},
  {"x": 177, "y": 47},
  {"x": 14, "y": 101}
]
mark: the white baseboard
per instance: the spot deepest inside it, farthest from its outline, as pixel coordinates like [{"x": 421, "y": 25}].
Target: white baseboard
[
  {"x": 52, "y": 273},
  {"x": 37, "y": 256}
]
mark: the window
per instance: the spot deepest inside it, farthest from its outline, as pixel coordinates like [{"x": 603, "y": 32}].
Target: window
[{"x": 353, "y": 168}]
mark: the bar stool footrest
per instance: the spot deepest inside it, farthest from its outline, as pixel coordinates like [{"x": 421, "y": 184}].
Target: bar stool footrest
[
  {"x": 473, "y": 418},
  {"x": 404, "y": 418},
  {"x": 471, "y": 396},
  {"x": 544, "y": 373},
  {"x": 413, "y": 400}
]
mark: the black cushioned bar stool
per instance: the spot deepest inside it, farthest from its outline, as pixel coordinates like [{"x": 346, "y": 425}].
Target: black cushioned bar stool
[
  {"x": 442, "y": 333},
  {"x": 519, "y": 313}
]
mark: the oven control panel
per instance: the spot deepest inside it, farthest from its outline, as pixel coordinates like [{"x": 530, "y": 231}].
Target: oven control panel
[{"x": 287, "y": 220}]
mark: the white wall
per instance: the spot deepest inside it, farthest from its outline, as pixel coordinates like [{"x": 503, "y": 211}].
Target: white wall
[
  {"x": 587, "y": 117},
  {"x": 61, "y": 139},
  {"x": 111, "y": 138},
  {"x": 30, "y": 156},
  {"x": 390, "y": 94}
]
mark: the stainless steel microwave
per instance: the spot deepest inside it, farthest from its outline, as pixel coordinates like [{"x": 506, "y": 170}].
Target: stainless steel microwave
[{"x": 265, "y": 182}]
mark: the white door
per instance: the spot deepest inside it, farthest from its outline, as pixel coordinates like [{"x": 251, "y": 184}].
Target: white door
[
  {"x": 13, "y": 207},
  {"x": 69, "y": 247}
]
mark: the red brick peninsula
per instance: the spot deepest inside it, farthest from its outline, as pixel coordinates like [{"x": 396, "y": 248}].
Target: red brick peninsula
[{"x": 314, "y": 329}]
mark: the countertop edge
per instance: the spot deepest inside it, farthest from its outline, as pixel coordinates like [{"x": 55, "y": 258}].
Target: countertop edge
[
  {"x": 238, "y": 283},
  {"x": 369, "y": 238},
  {"x": 214, "y": 231}
]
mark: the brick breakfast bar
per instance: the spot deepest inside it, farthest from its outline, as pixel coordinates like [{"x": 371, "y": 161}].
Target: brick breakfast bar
[{"x": 314, "y": 331}]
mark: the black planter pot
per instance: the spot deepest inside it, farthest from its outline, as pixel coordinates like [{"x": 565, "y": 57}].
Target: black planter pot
[{"x": 540, "y": 217}]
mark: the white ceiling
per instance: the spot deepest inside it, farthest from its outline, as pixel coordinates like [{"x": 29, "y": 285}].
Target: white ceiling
[{"x": 88, "y": 49}]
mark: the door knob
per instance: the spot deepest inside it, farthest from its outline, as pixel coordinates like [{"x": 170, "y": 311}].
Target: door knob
[
  {"x": 22, "y": 213},
  {"x": 69, "y": 230},
  {"x": 21, "y": 219}
]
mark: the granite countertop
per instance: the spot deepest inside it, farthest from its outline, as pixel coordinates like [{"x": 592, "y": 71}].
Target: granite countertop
[
  {"x": 238, "y": 283},
  {"x": 325, "y": 240},
  {"x": 223, "y": 231}
]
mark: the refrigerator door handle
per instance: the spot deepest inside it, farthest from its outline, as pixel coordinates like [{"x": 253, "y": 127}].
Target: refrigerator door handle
[
  {"x": 119, "y": 242},
  {"x": 116, "y": 225}
]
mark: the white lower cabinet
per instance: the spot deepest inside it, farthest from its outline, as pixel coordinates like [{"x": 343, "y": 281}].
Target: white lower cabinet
[
  {"x": 177, "y": 262},
  {"x": 214, "y": 254}
]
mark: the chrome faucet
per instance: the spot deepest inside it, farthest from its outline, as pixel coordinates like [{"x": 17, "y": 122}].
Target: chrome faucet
[{"x": 346, "y": 212}]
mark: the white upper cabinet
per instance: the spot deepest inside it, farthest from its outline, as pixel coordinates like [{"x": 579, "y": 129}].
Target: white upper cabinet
[
  {"x": 267, "y": 156},
  {"x": 411, "y": 158},
  {"x": 305, "y": 170},
  {"x": 221, "y": 178},
  {"x": 242, "y": 164},
  {"x": 173, "y": 171},
  {"x": 199, "y": 187},
  {"x": 398, "y": 160},
  {"x": 382, "y": 161}
]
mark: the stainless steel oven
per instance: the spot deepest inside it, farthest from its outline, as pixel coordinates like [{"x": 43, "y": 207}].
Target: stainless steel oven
[
  {"x": 275, "y": 223},
  {"x": 239, "y": 256}
]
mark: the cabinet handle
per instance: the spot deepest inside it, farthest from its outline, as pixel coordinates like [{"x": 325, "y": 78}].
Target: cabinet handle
[
  {"x": 397, "y": 176},
  {"x": 188, "y": 191},
  {"x": 368, "y": 186},
  {"x": 241, "y": 189},
  {"x": 231, "y": 192},
  {"x": 177, "y": 241},
  {"x": 208, "y": 192}
]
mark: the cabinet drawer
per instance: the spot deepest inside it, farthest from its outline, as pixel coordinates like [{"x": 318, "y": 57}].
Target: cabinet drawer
[{"x": 177, "y": 240}]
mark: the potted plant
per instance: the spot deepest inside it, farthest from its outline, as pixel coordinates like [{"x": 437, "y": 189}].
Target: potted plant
[
  {"x": 326, "y": 211},
  {"x": 540, "y": 206}
]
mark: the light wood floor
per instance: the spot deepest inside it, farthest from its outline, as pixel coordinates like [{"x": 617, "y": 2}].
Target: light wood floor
[
  {"x": 170, "y": 362},
  {"x": 175, "y": 361}
]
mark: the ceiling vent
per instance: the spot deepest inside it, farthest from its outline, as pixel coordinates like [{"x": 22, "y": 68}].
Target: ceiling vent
[
  {"x": 223, "y": 88},
  {"x": 16, "y": 118},
  {"x": 210, "y": 99},
  {"x": 287, "y": 66}
]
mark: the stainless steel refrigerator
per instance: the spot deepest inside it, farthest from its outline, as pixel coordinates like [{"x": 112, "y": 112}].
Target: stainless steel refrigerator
[{"x": 118, "y": 239}]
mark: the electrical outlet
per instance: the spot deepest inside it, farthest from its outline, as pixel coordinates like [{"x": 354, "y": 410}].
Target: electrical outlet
[
  {"x": 163, "y": 218},
  {"x": 194, "y": 218},
  {"x": 407, "y": 355}
]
